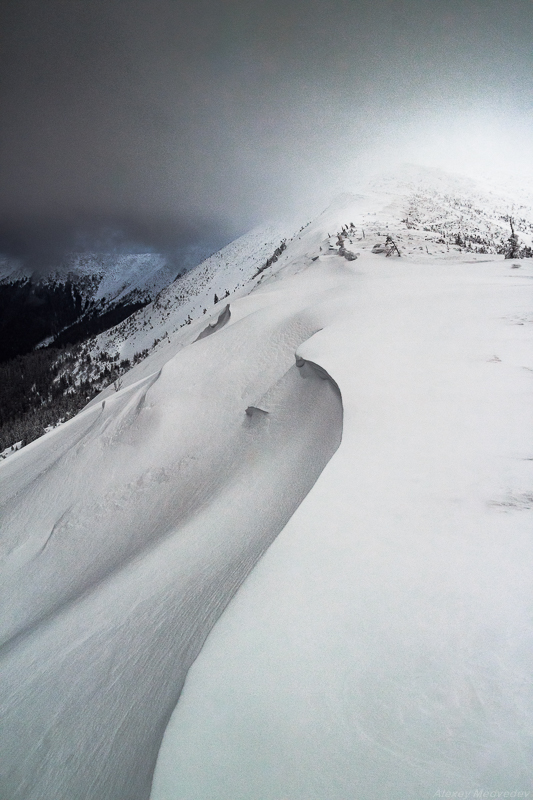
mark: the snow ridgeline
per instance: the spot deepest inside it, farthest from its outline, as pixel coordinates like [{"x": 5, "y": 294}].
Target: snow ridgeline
[
  {"x": 126, "y": 532},
  {"x": 426, "y": 212},
  {"x": 380, "y": 648}
]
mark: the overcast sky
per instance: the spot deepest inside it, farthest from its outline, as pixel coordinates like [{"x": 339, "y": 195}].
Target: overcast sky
[{"x": 170, "y": 119}]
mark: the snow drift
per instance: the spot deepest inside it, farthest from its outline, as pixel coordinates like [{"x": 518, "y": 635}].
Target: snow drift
[
  {"x": 381, "y": 647},
  {"x": 126, "y": 533}
]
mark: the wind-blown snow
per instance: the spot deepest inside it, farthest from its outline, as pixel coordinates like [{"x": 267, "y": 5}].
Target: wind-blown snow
[
  {"x": 381, "y": 647},
  {"x": 126, "y": 532}
]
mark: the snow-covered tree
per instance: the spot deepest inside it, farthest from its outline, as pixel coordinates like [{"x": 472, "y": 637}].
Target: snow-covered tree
[{"x": 513, "y": 245}]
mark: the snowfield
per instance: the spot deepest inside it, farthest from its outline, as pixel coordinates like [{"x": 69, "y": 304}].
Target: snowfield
[{"x": 369, "y": 422}]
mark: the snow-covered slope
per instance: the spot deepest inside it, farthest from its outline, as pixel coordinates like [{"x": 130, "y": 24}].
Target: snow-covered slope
[
  {"x": 224, "y": 274},
  {"x": 81, "y": 295},
  {"x": 126, "y": 533},
  {"x": 380, "y": 648},
  {"x": 102, "y": 276},
  {"x": 427, "y": 212},
  {"x": 122, "y": 276}
]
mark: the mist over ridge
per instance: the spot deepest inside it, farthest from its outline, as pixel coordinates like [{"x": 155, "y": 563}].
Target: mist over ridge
[{"x": 155, "y": 125}]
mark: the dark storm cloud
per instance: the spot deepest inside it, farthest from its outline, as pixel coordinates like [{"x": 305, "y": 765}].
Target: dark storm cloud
[
  {"x": 163, "y": 118},
  {"x": 42, "y": 241}
]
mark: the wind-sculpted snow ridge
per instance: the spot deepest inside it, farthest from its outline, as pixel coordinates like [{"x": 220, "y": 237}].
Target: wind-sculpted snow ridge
[
  {"x": 222, "y": 319},
  {"x": 381, "y": 649},
  {"x": 126, "y": 532}
]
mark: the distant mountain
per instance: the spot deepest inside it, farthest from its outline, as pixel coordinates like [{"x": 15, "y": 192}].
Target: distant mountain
[
  {"x": 45, "y": 315},
  {"x": 424, "y": 211},
  {"x": 83, "y": 295}
]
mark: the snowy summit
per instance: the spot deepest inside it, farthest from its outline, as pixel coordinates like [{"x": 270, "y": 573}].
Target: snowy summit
[{"x": 288, "y": 554}]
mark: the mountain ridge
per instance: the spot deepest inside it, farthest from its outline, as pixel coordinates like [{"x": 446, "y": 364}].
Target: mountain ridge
[{"x": 289, "y": 554}]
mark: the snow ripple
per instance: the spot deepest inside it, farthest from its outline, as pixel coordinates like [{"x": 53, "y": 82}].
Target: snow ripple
[{"x": 140, "y": 532}]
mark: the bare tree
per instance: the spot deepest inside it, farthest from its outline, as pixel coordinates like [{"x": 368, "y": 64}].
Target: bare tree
[
  {"x": 391, "y": 246},
  {"x": 513, "y": 245}
]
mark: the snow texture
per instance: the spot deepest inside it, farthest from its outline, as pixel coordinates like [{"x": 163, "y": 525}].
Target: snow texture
[
  {"x": 126, "y": 532},
  {"x": 381, "y": 647}
]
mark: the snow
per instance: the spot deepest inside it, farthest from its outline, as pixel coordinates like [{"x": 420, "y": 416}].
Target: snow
[
  {"x": 11, "y": 269},
  {"x": 108, "y": 277},
  {"x": 146, "y": 273},
  {"x": 366, "y": 427},
  {"x": 229, "y": 273},
  {"x": 381, "y": 648},
  {"x": 125, "y": 533},
  {"x": 8, "y": 451}
]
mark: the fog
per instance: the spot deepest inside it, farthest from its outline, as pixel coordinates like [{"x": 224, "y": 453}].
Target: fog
[{"x": 157, "y": 124}]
